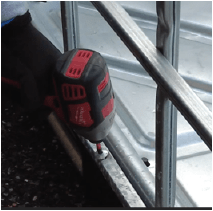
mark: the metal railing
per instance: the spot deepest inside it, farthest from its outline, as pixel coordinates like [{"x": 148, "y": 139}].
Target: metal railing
[
  {"x": 166, "y": 114},
  {"x": 159, "y": 68},
  {"x": 161, "y": 63},
  {"x": 70, "y": 24}
]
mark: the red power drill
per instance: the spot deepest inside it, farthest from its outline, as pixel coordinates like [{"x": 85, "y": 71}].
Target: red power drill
[
  {"x": 85, "y": 93},
  {"x": 84, "y": 96}
]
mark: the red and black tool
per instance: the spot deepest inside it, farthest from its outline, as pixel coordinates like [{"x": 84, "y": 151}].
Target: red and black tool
[
  {"x": 84, "y": 96},
  {"x": 85, "y": 92}
]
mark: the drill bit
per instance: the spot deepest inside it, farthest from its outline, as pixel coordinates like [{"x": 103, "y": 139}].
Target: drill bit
[
  {"x": 101, "y": 153},
  {"x": 99, "y": 149}
]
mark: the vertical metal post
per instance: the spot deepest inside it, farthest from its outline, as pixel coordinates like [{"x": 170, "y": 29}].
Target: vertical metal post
[
  {"x": 166, "y": 114},
  {"x": 70, "y": 24}
]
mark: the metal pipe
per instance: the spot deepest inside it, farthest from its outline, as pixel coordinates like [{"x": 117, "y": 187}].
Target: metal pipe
[
  {"x": 166, "y": 114},
  {"x": 131, "y": 164},
  {"x": 178, "y": 91},
  {"x": 165, "y": 156},
  {"x": 70, "y": 24}
]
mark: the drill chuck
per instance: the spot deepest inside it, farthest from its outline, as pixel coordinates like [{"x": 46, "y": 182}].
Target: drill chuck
[{"x": 85, "y": 93}]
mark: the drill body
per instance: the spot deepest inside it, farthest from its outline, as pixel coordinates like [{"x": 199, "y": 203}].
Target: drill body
[{"x": 85, "y": 93}]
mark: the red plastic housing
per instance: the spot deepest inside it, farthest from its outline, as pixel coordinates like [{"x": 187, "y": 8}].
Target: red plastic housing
[
  {"x": 73, "y": 92},
  {"x": 11, "y": 82},
  {"x": 108, "y": 108},
  {"x": 103, "y": 83},
  {"x": 80, "y": 114},
  {"x": 78, "y": 64}
]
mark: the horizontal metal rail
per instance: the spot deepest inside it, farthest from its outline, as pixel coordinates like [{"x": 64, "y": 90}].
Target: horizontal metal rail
[{"x": 162, "y": 72}]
